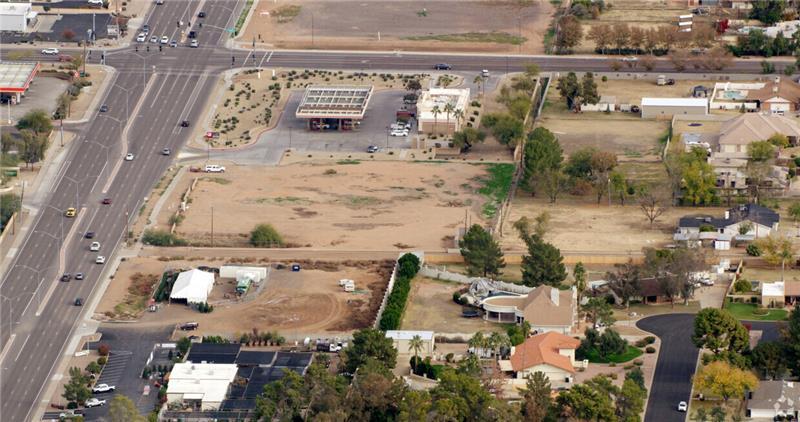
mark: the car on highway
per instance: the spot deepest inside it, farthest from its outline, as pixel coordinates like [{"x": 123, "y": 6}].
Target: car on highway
[
  {"x": 93, "y": 402},
  {"x": 50, "y": 51},
  {"x": 173, "y": 43},
  {"x": 146, "y": 29},
  {"x": 142, "y": 37},
  {"x": 106, "y": 201},
  {"x": 103, "y": 388},
  {"x": 442, "y": 66},
  {"x": 95, "y": 2},
  {"x": 682, "y": 406},
  {"x": 154, "y": 39},
  {"x": 78, "y": 276},
  {"x": 100, "y": 259},
  {"x": 89, "y": 235},
  {"x": 372, "y": 149},
  {"x": 159, "y": 1},
  {"x": 201, "y": 15},
  {"x": 165, "y": 40},
  {"x": 103, "y": 108},
  {"x": 129, "y": 156},
  {"x": 184, "y": 123},
  {"x": 630, "y": 59},
  {"x": 213, "y": 168},
  {"x": 485, "y": 73},
  {"x": 192, "y": 35},
  {"x": 70, "y": 212},
  {"x": 166, "y": 151},
  {"x": 65, "y": 277},
  {"x": 94, "y": 247},
  {"x": 399, "y": 132},
  {"x": 194, "y": 44},
  {"x": 79, "y": 302}
]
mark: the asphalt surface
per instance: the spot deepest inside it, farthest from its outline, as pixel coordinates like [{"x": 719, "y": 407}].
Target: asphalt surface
[{"x": 151, "y": 93}]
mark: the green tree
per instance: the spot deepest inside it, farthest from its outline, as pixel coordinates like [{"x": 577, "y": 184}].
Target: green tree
[
  {"x": 9, "y": 204},
  {"x": 465, "y": 396},
  {"x": 543, "y": 264},
  {"x": 415, "y": 406},
  {"x": 794, "y": 211},
  {"x": 123, "y": 409},
  {"x": 777, "y": 250},
  {"x": 791, "y": 338},
  {"x": 779, "y": 140},
  {"x": 770, "y": 359},
  {"x": 718, "y": 414},
  {"x": 717, "y": 330},
  {"x": 636, "y": 375},
  {"x": 587, "y": 402},
  {"x": 600, "y": 165},
  {"x": 761, "y": 151},
  {"x": 579, "y": 164},
  {"x": 598, "y": 311},
  {"x": 619, "y": 185},
  {"x": 265, "y": 236},
  {"x": 76, "y": 390},
  {"x": 719, "y": 379},
  {"x": 570, "y": 32},
  {"x": 570, "y": 89},
  {"x": 467, "y": 137},
  {"x": 630, "y": 401},
  {"x": 93, "y": 367},
  {"x": 579, "y": 274},
  {"x": 624, "y": 281},
  {"x": 699, "y": 181},
  {"x": 481, "y": 252},
  {"x": 589, "y": 89},
  {"x": 415, "y": 345},
  {"x": 37, "y": 121},
  {"x": 369, "y": 343},
  {"x": 542, "y": 153},
  {"x": 32, "y": 146},
  {"x": 536, "y": 400},
  {"x": 768, "y": 11},
  {"x": 282, "y": 399},
  {"x": 506, "y": 128}
]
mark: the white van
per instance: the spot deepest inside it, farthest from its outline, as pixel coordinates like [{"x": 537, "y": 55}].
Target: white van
[{"x": 213, "y": 168}]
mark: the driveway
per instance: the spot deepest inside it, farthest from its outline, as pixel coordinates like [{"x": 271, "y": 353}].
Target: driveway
[
  {"x": 672, "y": 381},
  {"x": 291, "y": 132}
]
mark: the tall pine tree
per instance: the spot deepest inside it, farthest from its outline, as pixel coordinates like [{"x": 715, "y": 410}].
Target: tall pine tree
[
  {"x": 481, "y": 252},
  {"x": 543, "y": 264}
]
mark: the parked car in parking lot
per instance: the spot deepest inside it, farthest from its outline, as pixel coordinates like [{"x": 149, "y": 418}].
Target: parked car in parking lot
[
  {"x": 189, "y": 326},
  {"x": 399, "y": 132},
  {"x": 93, "y": 402},
  {"x": 103, "y": 388}
]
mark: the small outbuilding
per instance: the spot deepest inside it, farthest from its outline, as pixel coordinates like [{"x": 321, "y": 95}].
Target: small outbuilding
[
  {"x": 192, "y": 286},
  {"x": 16, "y": 17},
  {"x": 665, "y": 108},
  {"x": 402, "y": 340}
]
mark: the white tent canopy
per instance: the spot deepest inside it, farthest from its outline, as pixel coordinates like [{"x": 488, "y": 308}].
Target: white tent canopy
[{"x": 194, "y": 286}]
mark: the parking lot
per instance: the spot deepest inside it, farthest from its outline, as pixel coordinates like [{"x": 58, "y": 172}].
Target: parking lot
[
  {"x": 41, "y": 95},
  {"x": 291, "y": 132},
  {"x": 51, "y": 27}
]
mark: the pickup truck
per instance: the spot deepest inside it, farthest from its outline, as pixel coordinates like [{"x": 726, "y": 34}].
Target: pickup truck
[
  {"x": 213, "y": 168},
  {"x": 103, "y": 388}
]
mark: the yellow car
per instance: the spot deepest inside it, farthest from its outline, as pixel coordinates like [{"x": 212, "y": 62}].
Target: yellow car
[{"x": 70, "y": 212}]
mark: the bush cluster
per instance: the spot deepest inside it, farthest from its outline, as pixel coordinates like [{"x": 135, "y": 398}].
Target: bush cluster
[
  {"x": 407, "y": 267},
  {"x": 161, "y": 238},
  {"x": 425, "y": 368}
]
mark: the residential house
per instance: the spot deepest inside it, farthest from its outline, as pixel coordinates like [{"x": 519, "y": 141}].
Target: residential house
[
  {"x": 200, "y": 386},
  {"x": 781, "y": 96},
  {"x": 737, "y": 134},
  {"x": 402, "y": 339},
  {"x": 545, "y": 308},
  {"x": 705, "y": 227},
  {"x": 780, "y": 293},
  {"x": 551, "y": 353},
  {"x": 774, "y": 400}
]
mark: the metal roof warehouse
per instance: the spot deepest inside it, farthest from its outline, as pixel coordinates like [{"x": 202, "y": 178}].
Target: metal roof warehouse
[
  {"x": 334, "y": 102},
  {"x": 16, "y": 77}
]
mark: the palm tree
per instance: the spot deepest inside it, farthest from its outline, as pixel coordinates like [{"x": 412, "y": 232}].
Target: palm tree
[
  {"x": 497, "y": 341},
  {"x": 415, "y": 344},
  {"x": 448, "y": 108},
  {"x": 478, "y": 341},
  {"x": 478, "y": 81},
  {"x": 436, "y": 111},
  {"x": 459, "y": 115}
]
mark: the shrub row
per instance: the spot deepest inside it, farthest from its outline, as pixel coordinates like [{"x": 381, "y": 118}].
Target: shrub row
[{"x": 407, "y": 267}]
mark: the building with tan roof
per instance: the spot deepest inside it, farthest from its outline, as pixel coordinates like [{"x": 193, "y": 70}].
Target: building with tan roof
[
  {"x": 737, "y": 134},
  {"x": 545, "y": 308},
  {"x": 780, "y": 96},
  {"x": 551, "y": 353}
]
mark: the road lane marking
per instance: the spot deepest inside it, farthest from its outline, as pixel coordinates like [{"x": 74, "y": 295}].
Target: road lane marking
[
  {"x": 61, "y": 262},
  {"x": 23, "y": 347},
  {"x": 8, "y": 346}
]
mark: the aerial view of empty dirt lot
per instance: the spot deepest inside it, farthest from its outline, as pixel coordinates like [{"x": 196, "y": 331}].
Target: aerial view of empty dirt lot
[
  {"x": 488, "y": 26},
  {"x": 308, "y": 301},
  {"x": 355, "y": 205}
]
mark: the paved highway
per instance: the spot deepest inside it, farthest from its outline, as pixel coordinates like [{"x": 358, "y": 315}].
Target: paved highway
[{"x": 151, "y": 93}]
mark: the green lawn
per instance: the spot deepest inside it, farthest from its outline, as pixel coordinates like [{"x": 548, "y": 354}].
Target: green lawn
[
  {"x": 744, "y": 311},
  {"x": 630, "y": 354}
]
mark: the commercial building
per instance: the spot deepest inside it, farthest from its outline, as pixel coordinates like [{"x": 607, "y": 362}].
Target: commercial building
[
  {"x": 16, "y": 17},
  {"x": 665, "y": 108},
  {"x": 402, "y": 340},
  {"x": 192, "y": 286},
  {"x": 200, "y": 386},
  {"x": 16, "y": 78},
  {"x": 334, "y": 107},
  {"x": 442, "y": 110}
]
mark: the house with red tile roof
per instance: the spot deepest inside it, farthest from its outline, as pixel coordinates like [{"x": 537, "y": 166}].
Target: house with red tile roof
[{"x": 551, "y": 353}]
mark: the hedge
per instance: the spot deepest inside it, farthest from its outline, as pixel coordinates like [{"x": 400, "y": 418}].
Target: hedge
[{"x": 407, "y": 267}]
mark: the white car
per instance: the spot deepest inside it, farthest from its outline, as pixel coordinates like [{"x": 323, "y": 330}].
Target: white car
[
  {"x": 213, "y": 168},
  {"x": 142, "y": 37},
  {"x": 399, "y": 132},
  {"x": 154, "y": 39},
  {"x": 103, "y": 388},
  {"x": 50, "y": 51},
  {"x": 682, "y": 406},
  {"x": 397, "y": 126},
  {"x": 129, "y": 157},
  {"x": 485, "y": 73},
  {"x": 194, "y": 44},
  {"x": 94, "y": 247},
  {"x": 630, "y": 59},
  {"x": 95, "y": 2},
  {"x": 164, "y": 40},
  {"x": 100, "y": 259},
  {"x": 93, "y": 402}
]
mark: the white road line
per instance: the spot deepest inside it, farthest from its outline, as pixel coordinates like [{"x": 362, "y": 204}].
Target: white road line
[
  {"x": 22, "y": 348},
  {"x": 61, "y": 261},
  {"x": 8, "y": 346}
]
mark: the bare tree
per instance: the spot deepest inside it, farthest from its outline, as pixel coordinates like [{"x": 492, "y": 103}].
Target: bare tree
[
  {"x": 624, "y": 281},
  {"x": 651, "y": 206}
]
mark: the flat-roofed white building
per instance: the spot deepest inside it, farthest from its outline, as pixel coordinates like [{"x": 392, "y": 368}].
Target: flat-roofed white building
[
  {"x": 202, "y": 386},
  {"x": 402, "y": 340},
  {"x": 665, "y": 108},
  {"x": 16, "y": 17},
  {"x": 442, "y": 110},
  {"x": 334, "y": 107}
]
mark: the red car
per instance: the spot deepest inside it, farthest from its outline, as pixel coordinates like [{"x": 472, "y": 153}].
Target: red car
[{"x": 107, "y": 201}]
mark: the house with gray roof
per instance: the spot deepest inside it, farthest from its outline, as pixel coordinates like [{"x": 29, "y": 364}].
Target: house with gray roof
[
  {"x": 699, "y": 227},
  {"x": 774, "y": 400}
]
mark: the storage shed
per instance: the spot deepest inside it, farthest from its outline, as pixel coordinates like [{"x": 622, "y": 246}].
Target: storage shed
[
  {"x": 665, "y": 108},
  {"x": 193, "y": 286}
]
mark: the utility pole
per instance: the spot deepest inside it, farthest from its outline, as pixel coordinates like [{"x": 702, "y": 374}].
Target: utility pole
[
  {"x": 126, "y": 228},
  {"x": 62, "y": 131},
  {"x": 212, "y": 227}
]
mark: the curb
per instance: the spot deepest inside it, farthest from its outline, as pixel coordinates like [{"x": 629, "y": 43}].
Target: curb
[{"x": 102, "y": 92}]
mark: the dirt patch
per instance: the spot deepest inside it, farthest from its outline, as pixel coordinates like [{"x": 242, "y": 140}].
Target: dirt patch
[
  {"x": 431, "y": 307},
  {"x": 366, "y": 206},
  {"x": 381, "y": 25},
  {"x": 253, "y": 102},
  {"x": 579, "y": 225},
  {"x": 79, "y": 107}
]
